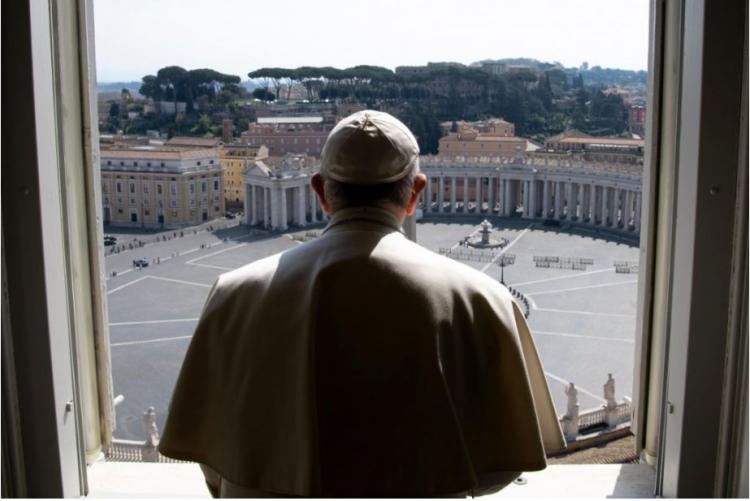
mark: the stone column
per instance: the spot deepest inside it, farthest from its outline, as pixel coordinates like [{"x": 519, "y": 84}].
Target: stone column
[
  {"x": 428, "y": 195},
  {"x": 605, "y": 206},
  {"x": 592, "y": 204},
  {"x": 453, "y": 194},
  {"x": 441, "y": 193},
  {"x": 628, "y": 208},
  {"x": 525, "y": 200},
  {"x": 558, "y": 200},
  {"x": 250, "y": 203},
  {"x": 534, "y": 197},
  {"x": 466, "y": 194},
  {"x": 282, "y": 221},
  {"x": 581, "y": 202},
  {"x": 504, "y": 207},
  {"x": 269, "y": 216},
  {"x": 478, "y": 195},
  {"x": 301, "y": 216},
  {"x": 491, "y": 195},
  {"x": 637, "y": 215},
  {"x": 313, "y": 201},
  {"x": 545, "y": 199}
]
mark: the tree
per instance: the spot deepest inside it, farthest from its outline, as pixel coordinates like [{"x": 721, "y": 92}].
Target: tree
[
  {"x": 151, "y": 88},
  {"x": 263, "y": 94},
  {"x": 114, "y": 110},
  {"x": 608, "y": 113},
  {"x": 173, "y": 78}
]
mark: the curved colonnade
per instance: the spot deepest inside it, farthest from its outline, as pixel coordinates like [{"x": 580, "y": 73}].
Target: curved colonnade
[{"x": 604, "y": 195}]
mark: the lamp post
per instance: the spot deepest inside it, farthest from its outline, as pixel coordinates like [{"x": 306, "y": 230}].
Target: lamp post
[{"x": 505, "y": 260}]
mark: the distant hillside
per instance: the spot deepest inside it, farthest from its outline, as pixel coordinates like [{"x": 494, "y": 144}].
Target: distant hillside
[
  {"x": 117, "y": 86},
  {"x": 595, "y": 75}
]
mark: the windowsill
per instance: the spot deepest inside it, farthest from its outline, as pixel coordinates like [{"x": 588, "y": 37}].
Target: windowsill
[{"x": 182, "y": 480}]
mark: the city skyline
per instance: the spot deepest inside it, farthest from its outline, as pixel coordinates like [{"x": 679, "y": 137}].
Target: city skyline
[{"x": 238, "y": 37}]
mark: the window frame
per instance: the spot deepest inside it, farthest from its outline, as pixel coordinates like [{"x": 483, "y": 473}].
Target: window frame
[{"x": 63, "y": 60}]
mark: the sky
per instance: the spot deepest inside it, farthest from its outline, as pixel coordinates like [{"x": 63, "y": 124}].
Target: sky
[{"x": 137, "y": 37}]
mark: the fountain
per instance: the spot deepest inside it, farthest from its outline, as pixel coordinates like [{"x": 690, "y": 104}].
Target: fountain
[{"x": 484, "y": 240}]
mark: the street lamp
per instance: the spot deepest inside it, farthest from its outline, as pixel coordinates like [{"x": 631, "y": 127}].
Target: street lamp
[{"x": 505, "y": 260}]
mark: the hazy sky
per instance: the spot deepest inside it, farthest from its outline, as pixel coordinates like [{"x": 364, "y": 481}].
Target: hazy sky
[{"x": 137, "y": 37}]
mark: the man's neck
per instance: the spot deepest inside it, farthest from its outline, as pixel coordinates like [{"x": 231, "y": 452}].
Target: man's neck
[{"x": 398, "y": 212}]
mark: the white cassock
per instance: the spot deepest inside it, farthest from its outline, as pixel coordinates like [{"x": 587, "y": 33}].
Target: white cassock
[{"x": 361, "y": 364}]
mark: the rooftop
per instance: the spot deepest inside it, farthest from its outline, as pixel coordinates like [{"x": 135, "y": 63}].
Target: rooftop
[
  {"x": 206, "y": 142},
  {"x": 157, "y": 153},
  {"x": 604, "y": 141},
  {"x": 291, "y": 120}
]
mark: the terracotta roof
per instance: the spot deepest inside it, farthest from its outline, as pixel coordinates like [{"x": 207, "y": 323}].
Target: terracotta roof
[
  {"x": 501, "y": 139},
  {"x": 157, "y": 154},
  {"x": 615, "y": 141},
  {"x": 207, "y": 142},
  {"x": 290, "y": 120}
]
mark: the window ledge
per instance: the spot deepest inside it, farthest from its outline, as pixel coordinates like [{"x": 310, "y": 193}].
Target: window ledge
[{"x": 185, "y": 480}]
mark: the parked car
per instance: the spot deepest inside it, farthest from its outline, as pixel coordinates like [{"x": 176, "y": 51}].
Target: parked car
[
  {"x": 229, "y": 215},
  {"x": 110, "y": 240},
  {"x": 140, "y": 263}
]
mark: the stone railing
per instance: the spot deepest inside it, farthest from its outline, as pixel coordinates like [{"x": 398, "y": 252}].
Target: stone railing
[
  {"x": 600, "y": 419},
  {"x": 134, "y": 451}
]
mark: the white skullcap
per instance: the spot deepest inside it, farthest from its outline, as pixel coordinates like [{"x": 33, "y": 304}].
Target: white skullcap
[{"x": 369, "y": 147}]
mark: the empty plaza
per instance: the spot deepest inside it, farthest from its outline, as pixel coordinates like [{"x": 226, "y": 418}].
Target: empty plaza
[{"x": 581, "y": 310}]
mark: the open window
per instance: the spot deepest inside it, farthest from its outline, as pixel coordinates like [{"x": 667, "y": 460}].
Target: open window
[{"x": 690, "y": 390}]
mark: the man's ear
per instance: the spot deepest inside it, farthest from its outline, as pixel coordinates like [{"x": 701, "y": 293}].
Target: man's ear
[
  {"x": 420, "y": 181},
  {"x": 318, "y": 183}
]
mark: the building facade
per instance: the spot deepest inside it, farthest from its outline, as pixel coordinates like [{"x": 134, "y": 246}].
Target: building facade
[
  {"x": 493, "y": 137},
  {"x": 235, "y": 159},
  {"x": 637, "y": 120},
  {"x": 283, "y": 135},
  {"x": 597, "y": 149},
  {"x": 161, "y": 187}
]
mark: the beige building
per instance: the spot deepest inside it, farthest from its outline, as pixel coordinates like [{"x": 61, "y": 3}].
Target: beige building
[
  {"x": 235, "y": 160},
  {"x": 299, "y": 135},
  {"x": 161, "y": 187},
  {"x": 598, "y": 149},
  {"x": 491, "y": 137}
]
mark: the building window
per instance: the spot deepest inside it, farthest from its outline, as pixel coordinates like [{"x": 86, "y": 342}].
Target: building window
[
  {"x": 145, "y": 188},
  {"x": 109, "y": 162},
  {"x": 173, "y": 204},
  {"x": 119, "y": 187},
  {"x": 132, "y": 187},
  {"x": 122, "y": 164},
  {"x": 135, "y": 164},
  {"x": 216, "y": 184},
  {"x": 203, "y": 187},
  {"x": 192, "y": 188},
  {"x": 173, "y": 189},
  {"x": 158, "y": 188},
  {"x": 198, "y": 162}
]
